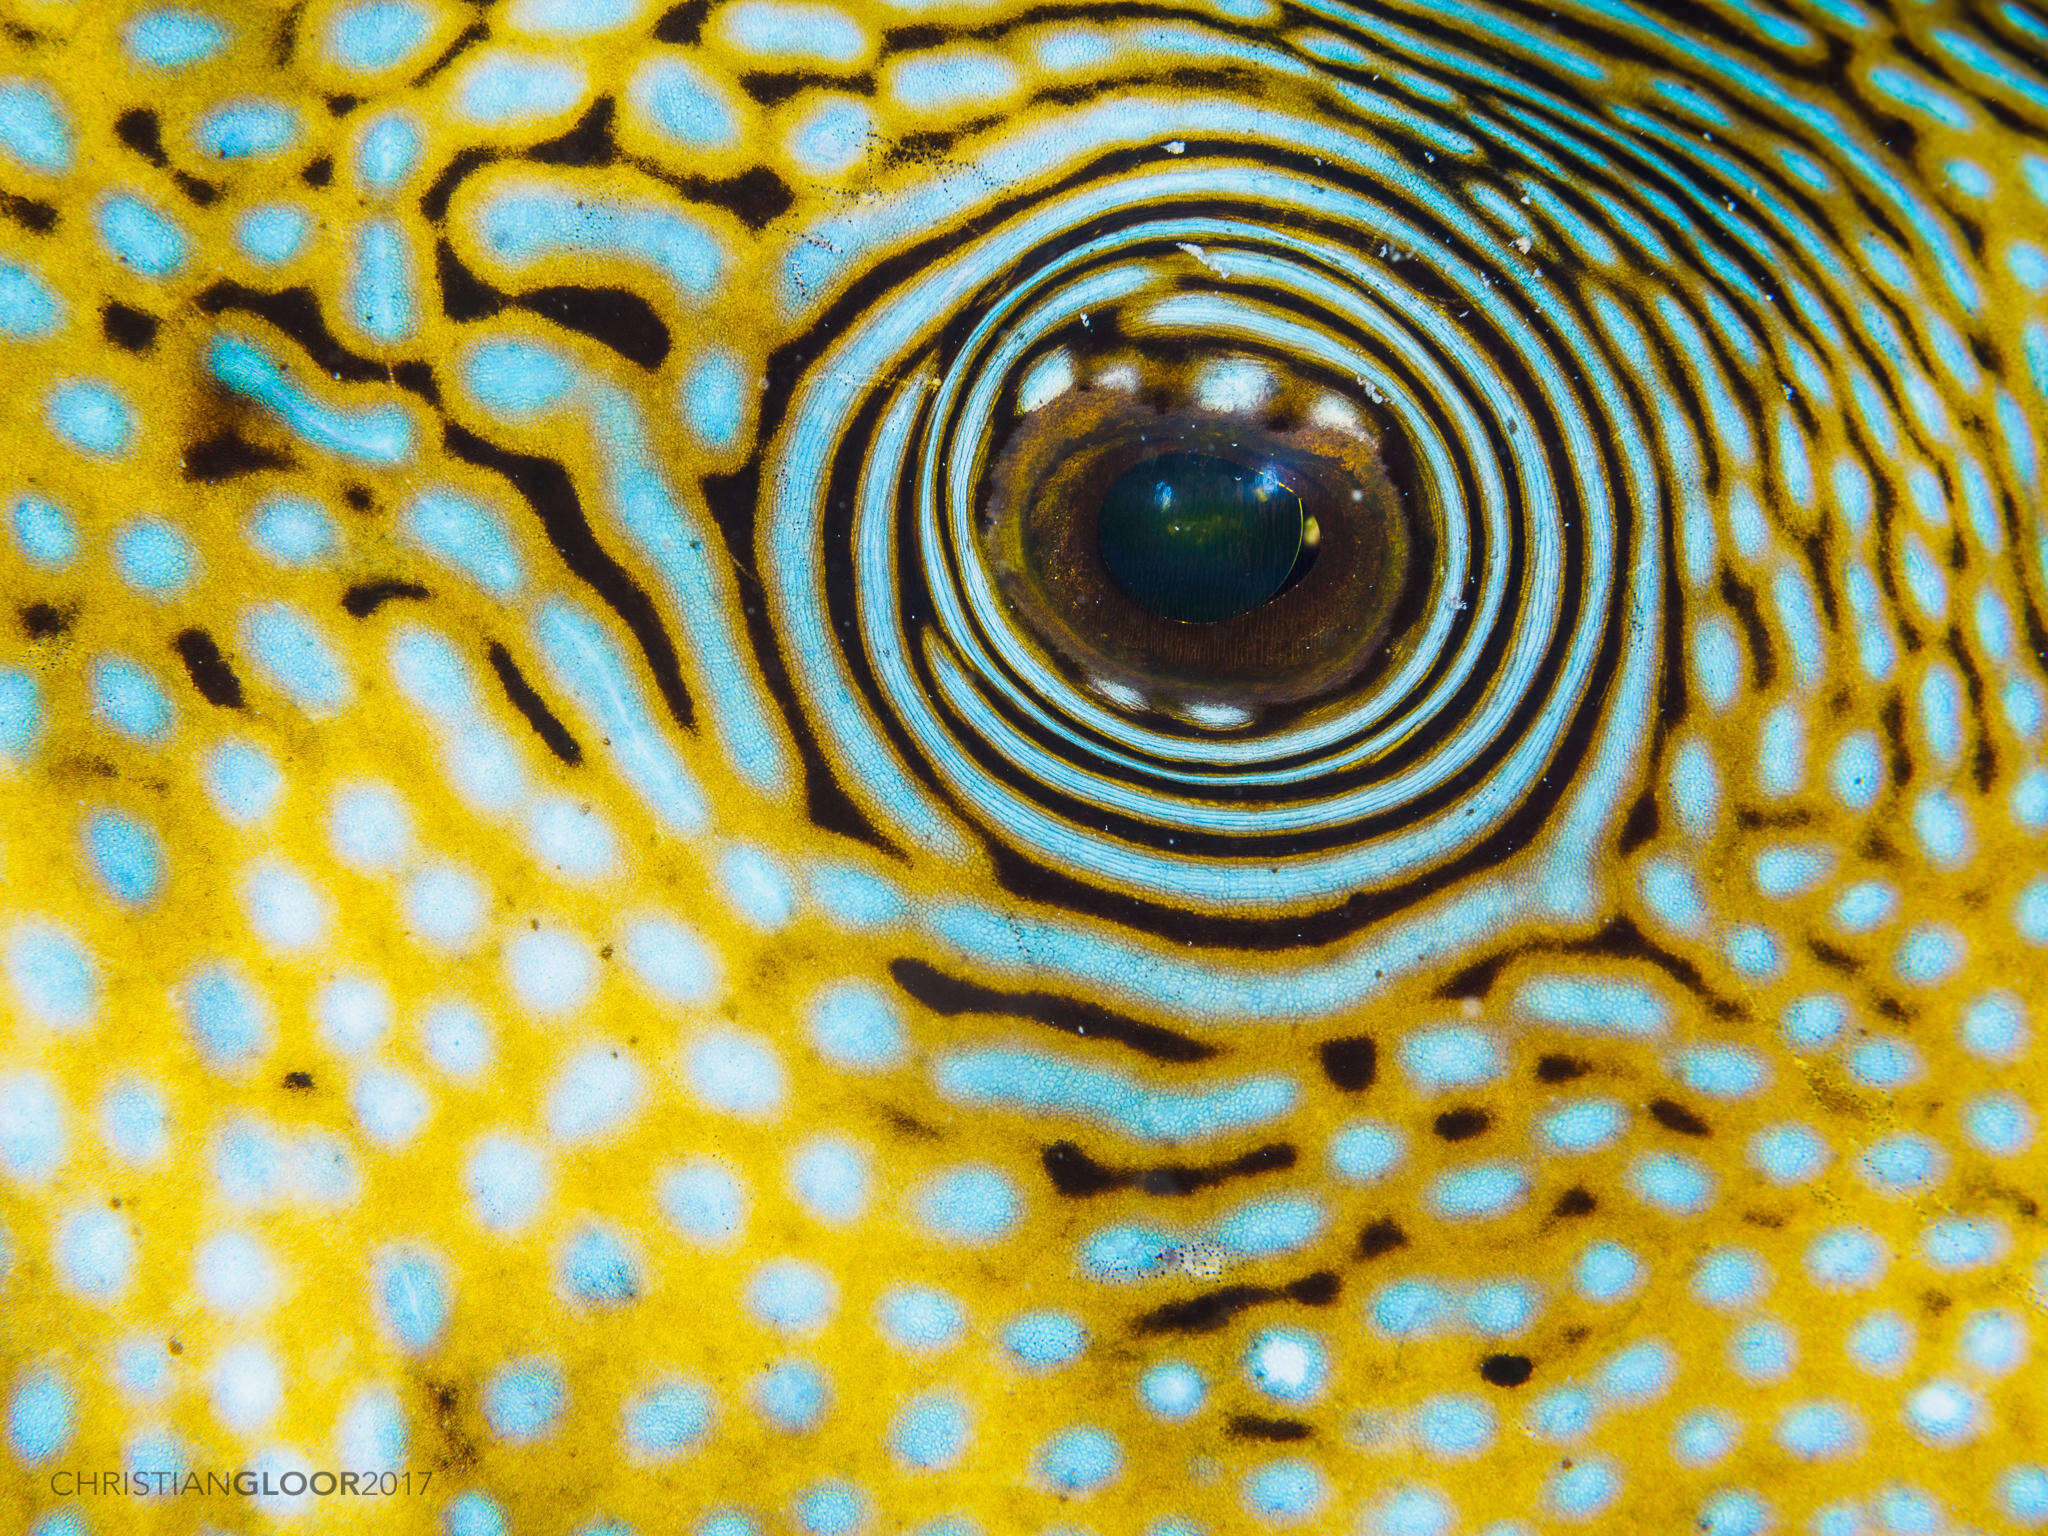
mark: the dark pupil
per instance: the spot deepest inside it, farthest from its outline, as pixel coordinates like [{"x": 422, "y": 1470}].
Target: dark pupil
[{"x": 1197, "y": 538}]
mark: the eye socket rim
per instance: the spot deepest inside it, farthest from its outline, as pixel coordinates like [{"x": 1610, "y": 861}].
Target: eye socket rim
[{"x": 1317, "y": 635}]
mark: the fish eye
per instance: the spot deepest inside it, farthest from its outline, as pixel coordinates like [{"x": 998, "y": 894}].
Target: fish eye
[{"x": 1167, "y": 536}]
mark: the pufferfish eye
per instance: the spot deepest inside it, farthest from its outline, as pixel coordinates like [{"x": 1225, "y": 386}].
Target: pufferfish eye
[{"x": 1220, "y": 537}]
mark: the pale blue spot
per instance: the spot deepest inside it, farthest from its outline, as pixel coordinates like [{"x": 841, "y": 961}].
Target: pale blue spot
[
  {"x": 1789, "y": 1154},
  {"x": 21, "y": 713},
  {"x": 930, "y": 1432},
  {"x": 703, "y": 1200},
  {"x": 387, "y": 150},
  {"x": 243, "y": 781},
  {"x": 1078, "y": 1460},
  {"x": 1173, "y": 1390},
  {"x": 375, "y": 35},
  {"x": 246, "y": 130},
  {"x": 856, "y": 898},
  {"x": 1411, "y": 1309},
  {"x": 127, "y": 856},
  {"x": 1884, "y": 1061},
  {"x": 1735, "y": 1512},
  {"x": 1963, "y": 1242},
  {"x": 1490, "y": 1189},
  {"x": 1585, "y": 1125},
  {"x": 91, "y": 417},
  {"x": 45, "y": 532},
  {"x": 2030, "y": 800},
  {"x": 738, "y": 1073},
  {"x": 1716, "y": 662},
  {"x": 1673, "y": 893},
  {"x": 1723, "y": 1071},
  {"x": 516, "y": 380},
  {"x": 1731, "y": 1279},
  {"x": 835, "y": 135},
  {"x": 411, "y": 1291},
  {"x": 1365, "y": 1151},
  {"x": 714, "y": 400},
  {"x": 1817, "y": 1020},
  {"x": 1607, "y": 1273},
  {"x": 1287, "y": 1491},
  {"x": 32, "y": 130},
  {"x": 28, "y": 309},
  {"x": 1858, "y": 771},
  {"x": 511, "y": 87},
  {"x": 1695, "y": 788},
  {"x": 143, "y": 238},
  {"x": 522, "y": 226},
  {"x": 793, "y": 1395},
  {"x": 1701, "y": 1439},
  {"x": 597, "y": 1267},
  {"x": 754, "y": 883},
  {"x": 380, "y": 292},
  {"x": 1045, "y": 1340},
  {"x": 507, "y": 1181},
  {"x": 674, "y": 961},
  {"x": 1671, "y": 1182},
  {"x": 668, "y": 1420},
  {"x": 379, "y": 434},
  {"x": 1638, "y": 1374},
  {"x": 39, "y": 1418},
  {"x": 32, "y": 1134},
  {"x": 155, "y": 557},
  {"x": 1995, "y": 1342},
  {"x": 921, "y": 1320},
  {"x": 1753, "y": 951},
  {"x": 596, "y": 1091},
  {"x": 1945, "y": 1412},
  {"x": 1583, "y": 1490},
  {"x": 296, "y": 658},
  {"x": 682, "y": 103},
  {"x": 52, "y": 976},
  {"x": 831, "y": 1508},
  {"x": 971, "y": 1205},
  {"x": 1785, "y": 872},
  {"x": 524, "y": 1401},
  {"x": 1456, "y": 1056},
  {"x": 457, "y": 1040},
  {"x": 1288, "y": 1365},
  {"x": 1594, "y": 1004},
  {"x": 1564, "y": 1415},
  {"x": 804, "y": 31},
  {"x": 1929, "y": 954},
  {"x": 1277, "y": 1224},
  {"x": 173, "y": 38},
  {"x": 2023, "y": 1490},
  {"x": 831, "y": 1180},
  {"x": 1866, "y": 905},
  {"x": 128, "y": 697},
  {"x": 1042, "y": 1082},
  {"x": 1761, "y": 1350},
  {"x": 1943, "y": 826},
  {"x": 856, "y": 1025},
  {"x": 1904, "y": 1164},
  {"x": 468, "y": 536},
  {"x": 273, "y": 234},
  {"x": 1455, "y": 1428},
  {"x": 95, "y": 1253},
  {"x": 1846, "y": 1258},
  {"x": 291, "y": 530},
  {"x": 1999, "y": 1123},
  {"x": 1502, "y": 1309}
]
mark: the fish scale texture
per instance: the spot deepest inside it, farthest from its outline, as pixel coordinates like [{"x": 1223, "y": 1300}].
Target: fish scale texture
[{"x": 588, "y": 945}]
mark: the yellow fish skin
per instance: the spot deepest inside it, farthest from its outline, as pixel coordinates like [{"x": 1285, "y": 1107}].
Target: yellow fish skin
[{"x": 625, "y": 907}]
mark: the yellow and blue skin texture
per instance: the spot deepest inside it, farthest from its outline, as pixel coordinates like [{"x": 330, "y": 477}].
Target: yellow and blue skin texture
[{"x": 531, "y": 964}]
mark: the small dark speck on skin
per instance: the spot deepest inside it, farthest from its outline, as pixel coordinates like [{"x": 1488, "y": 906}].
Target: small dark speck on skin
[
  {"x": 298, "y": 1081},
  {"x": 1506, "y": 1370},
  {"x": 46, "y": 621}
]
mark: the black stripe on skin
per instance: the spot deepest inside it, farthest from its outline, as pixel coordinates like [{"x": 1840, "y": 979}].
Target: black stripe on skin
[
  {"x": 1251, "y": 1426},
  {"x": 296, "y": 312},
  {"x": 1213, "y": 1310},
  {"x": 210, "y": 672},
  {"x": 1074, "y": 1173},
  {"x": 546, "y": 724},
  {"x": 366, "y": 597},
  {"x": 228, "y": 454},
  {"x": 949, "y": 996},
  {"x": 546, "y": 488}
]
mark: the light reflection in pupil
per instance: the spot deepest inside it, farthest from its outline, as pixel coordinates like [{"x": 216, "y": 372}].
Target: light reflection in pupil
[{"x": 1198, "y": 539}]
